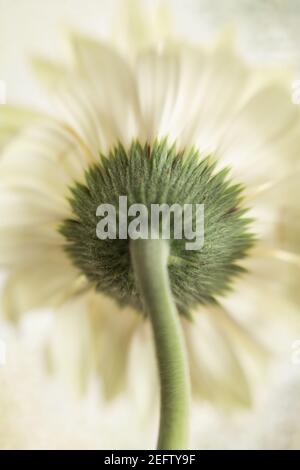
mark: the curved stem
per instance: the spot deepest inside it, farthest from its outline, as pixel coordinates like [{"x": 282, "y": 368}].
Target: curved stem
[{"x": 150, "y": 263}]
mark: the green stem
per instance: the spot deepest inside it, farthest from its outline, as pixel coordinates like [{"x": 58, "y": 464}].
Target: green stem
[{"x": 150, "y": 263}]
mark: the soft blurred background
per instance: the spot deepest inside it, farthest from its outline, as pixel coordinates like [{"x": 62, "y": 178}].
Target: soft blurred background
[{"x": 37, "y": 411}]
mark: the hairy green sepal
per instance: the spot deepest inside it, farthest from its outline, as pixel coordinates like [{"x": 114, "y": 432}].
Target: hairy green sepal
[{"x": 156, "y": 174}]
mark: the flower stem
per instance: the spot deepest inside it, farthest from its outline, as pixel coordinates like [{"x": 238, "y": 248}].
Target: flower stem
[{"x": 150, "y": 263}]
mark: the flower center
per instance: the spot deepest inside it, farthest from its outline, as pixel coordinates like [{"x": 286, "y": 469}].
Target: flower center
[{"x": 154, "y": 175}]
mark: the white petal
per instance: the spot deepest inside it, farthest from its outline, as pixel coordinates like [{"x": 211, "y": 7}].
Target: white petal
[
  {"x": 47, "y": 282},
  {"x": 74, "y": 102},
  {"x": 26, "y": 245},
  {"x": 97, "y": 98},
  {"x": 13, "y": 119},
  {"x": 113, "y": 85},
  {"x": 254, "y": 146},
  {"x": 29, "y": 207},
  {"x": 217, "y": 374},
  {"x": 70, "y": 347},
  {"x": 138, "y": 27},
  {"x": 113, "y": 330},
  {"x": 217, "y": 91},
  {"x": 157, "y": 82},
  {"x": 46, "y": 158}
]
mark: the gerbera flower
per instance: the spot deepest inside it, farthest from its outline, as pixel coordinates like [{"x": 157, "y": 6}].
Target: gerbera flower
[{"x": 170, "y": 123}]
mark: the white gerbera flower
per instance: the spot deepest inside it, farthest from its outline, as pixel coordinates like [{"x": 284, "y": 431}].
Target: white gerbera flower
[{"x": 115, "y": 116}]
